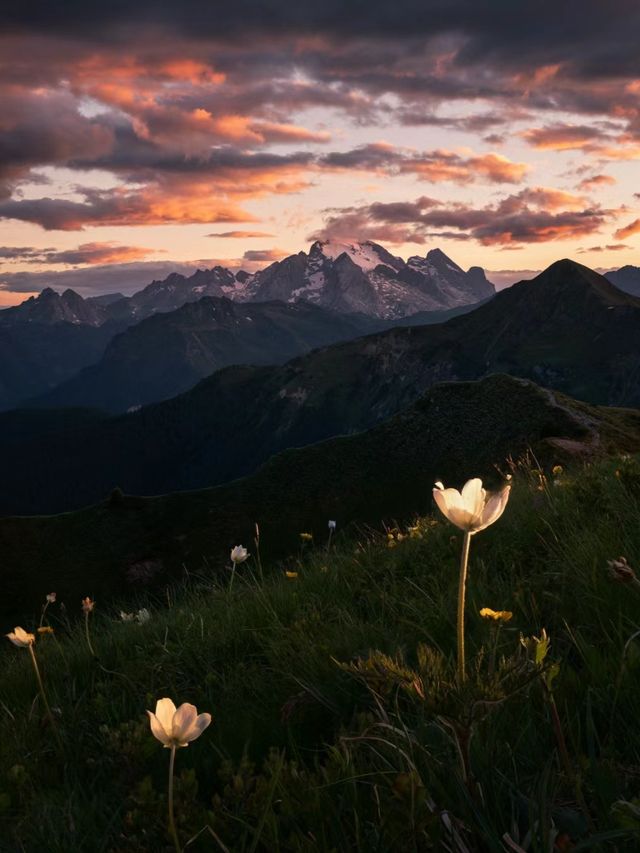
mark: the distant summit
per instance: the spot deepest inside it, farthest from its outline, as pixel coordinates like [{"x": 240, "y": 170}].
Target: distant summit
[{"x": 365, "y": 278}]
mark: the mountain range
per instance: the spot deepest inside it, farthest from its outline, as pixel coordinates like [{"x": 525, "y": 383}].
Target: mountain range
[
  {"x": 167, "y": 353},
  {"x": 569, "y": 329},
  {"x": 50, "y": 339}
]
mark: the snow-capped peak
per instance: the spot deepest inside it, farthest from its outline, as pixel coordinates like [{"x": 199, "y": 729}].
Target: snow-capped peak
[{"x": 366, "y": 255}]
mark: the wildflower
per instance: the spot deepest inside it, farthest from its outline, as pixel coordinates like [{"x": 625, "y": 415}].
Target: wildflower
[
  {"x": 536, "y": 647},
  {"x": 620, "y": 570},
  {"x": 143, "y": 615},
  {"x": 45, "y": 629},
  {"x": 127, "y": 617},
  {"x": 51, "y": 598},
  {"x": 179, "y": 727},
  {"x": 239, "y": 554},
  {"x": 24, "y": 640},
  {"x": 496, "y": 615},
  {"x": 306, "y": 537},
  {"x": 21, "y": 638},
  {"x": 471, "y": 510},
  {"x": 474, "y": 508},
  {"x": 291, "y": 575},
  {"x": 332, "y": 525},
  {"x": 176, "y": 728},
  {"x": 557, "y": 470},
  {"x": 87, "y": 608}
]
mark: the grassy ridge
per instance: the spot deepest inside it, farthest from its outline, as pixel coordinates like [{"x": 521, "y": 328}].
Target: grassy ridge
[
  {"x": 305, "y": 754},
  {"x": 383, "y": 474}
]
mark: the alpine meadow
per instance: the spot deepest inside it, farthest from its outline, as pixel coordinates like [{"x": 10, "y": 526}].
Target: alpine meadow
[{"x": 320, "y": 427}]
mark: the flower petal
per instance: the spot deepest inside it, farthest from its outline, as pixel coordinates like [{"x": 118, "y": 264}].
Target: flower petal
[
  {"x": 183, "y": 720},
  {"x": 158, "y": 730},
  {"x": 165, "y": 710},
  {"x": 473, "y": 496},
  {"x": 451, "y": 505},
  {"x": 197, "y": 727},
  {"x": 494, "y": 508}
]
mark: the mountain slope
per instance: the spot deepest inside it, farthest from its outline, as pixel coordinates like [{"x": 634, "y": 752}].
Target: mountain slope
[
  {"x": 626, "y": 278},
  {"x": 455, "y": 430},
  {"x": 50, "y": 307},
  {"x": 169, "y": 352},
  {"x": 569, "y": 329},
  {"x": 366, "y": 278},
  {"x": 37, "y": 356}
]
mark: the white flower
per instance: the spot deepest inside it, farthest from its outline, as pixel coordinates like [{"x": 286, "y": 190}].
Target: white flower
[
  {"x": 87, "y": 605},
  {"x": 177, "y": 727},
  {"x": 239, "y": 554},
  {"x": 143, "y": 616},
  {"x": 21, "y": 638},
  {"x": 332, "y": 525},
  {"x": 51, "y": 597},
  {"x": 473, "y": 509},
  {"x": 127, "y": 617}
]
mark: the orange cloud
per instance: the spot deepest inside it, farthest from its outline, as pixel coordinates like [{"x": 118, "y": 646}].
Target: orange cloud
[
  {"x": 628, "y": 230},
  {"x": 596, "y": 181},
  {"x": 448, "y": 166}
]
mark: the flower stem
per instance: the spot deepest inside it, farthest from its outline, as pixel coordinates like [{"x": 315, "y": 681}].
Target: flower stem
[
  {"x": 233, "y": 574},
  {"x": 172, "y": 822},
  {"x": 44, "y": 696},
  {"x": 464, "y": 561},
  {"x": 86, "y": 631}
]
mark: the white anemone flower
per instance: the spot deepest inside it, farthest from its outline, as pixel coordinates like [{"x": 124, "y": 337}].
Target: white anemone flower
[
  {"x": 239, "y": 554},
  {"x": 143, "y": 616},
  {"x": 177, "y": 727},
  {"x": 21, "y": 638},
  {"x": 473, "y": 508}
]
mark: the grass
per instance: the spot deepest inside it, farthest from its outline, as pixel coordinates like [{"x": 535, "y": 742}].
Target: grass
[{"x": 337, "y": 721}]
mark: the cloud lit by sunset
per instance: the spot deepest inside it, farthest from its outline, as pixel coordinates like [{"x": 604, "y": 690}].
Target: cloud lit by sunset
[{"x": 477, "y": 127}]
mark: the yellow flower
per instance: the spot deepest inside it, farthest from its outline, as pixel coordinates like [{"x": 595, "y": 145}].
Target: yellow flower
[
  {"x": 474, "y": 508},
  {"x": 291, "y": 575},
  {"x": 177, "y": 727},
  {"x": 45, "y": 629},
  {"x": 21, "y": 638},
  {"x": 496, "y": 615},
  {"x": 557, "y": 470},
  {"x": 306, "y": 537}
]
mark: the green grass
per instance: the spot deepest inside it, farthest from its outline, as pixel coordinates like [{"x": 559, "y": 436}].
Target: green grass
[{"x": 334, "y": 700}]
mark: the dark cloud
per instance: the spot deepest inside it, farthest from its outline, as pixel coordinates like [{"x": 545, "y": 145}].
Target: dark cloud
[
  {"x": 87, "y": 253},
  {"x": 264, "y": 255},
  {"x": 531, "y": 216},
  {"x": 595, "y": 38},
  {"x": 612, "y": 247}
]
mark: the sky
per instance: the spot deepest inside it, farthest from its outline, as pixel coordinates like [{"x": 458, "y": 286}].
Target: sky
[{"x": 140, "y": 138}]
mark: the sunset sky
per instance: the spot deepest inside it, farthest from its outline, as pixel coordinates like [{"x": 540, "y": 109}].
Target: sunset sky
[{"x": 135, "y": 138}]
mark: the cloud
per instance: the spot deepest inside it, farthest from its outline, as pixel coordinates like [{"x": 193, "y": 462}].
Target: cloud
[
  {"x": 628, "y": 230},
  {"x": 86, "y": 253},
  {"x": 566, "y": 137},
  {"x": 432, "y": 166},
  {"x": 534, "y": 215},
  {"x": 592, "y": 183},
  {"x": 613, "y": 247},
  {"x": 264, "y": 255},
  {"x": 241, "y": 235}
]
